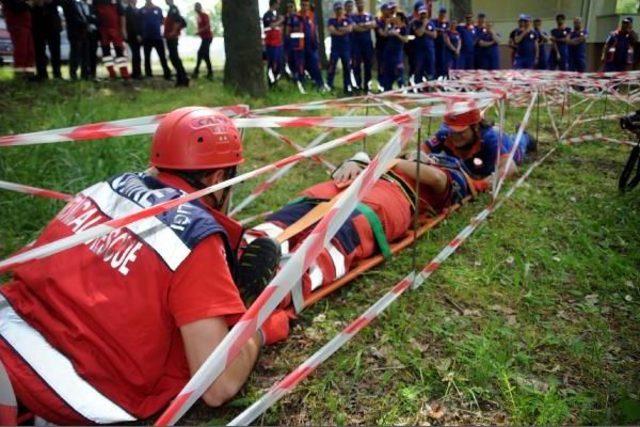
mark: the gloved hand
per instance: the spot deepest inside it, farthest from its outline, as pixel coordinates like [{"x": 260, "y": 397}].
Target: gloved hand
[
  {"x": 349, "y": 170},
  {"x": 346, "y": 173},
  {"x": 276, "y": 327},
  {"x": 481, "y": 185}
]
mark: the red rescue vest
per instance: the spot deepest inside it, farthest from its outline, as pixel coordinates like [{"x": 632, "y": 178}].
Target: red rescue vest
[{"x": 90, "y": 326}]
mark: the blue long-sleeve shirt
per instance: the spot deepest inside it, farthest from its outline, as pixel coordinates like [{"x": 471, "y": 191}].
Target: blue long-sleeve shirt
[{"x": 151, "y": 22}]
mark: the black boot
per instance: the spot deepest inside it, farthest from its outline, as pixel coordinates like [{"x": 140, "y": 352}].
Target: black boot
[{"x": 257, "y": 266}]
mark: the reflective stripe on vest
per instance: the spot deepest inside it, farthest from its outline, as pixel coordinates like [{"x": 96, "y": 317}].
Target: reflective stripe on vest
[
  {"x": 56, "y": 370},
  {"x": 272, "y": 231},
  {"x": 315, "y": 276},
  {"x": 338, "y": 260},
  {"x": 151, "y": 231}
]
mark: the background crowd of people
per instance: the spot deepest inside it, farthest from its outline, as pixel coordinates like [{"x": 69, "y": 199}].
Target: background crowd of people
[
  {"x": 36, "y": 25},
  {"x": 402, "y": 47},
  {"x": 430, "y": 47}
]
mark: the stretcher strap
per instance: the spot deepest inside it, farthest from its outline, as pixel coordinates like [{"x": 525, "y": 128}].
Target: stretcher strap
[
  {"x": 376, "y": 228},
  {"x": 310, "y": 218}
]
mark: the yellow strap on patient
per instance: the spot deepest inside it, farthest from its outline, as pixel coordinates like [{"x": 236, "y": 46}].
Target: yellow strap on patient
[{"x": 307, "y": 220}]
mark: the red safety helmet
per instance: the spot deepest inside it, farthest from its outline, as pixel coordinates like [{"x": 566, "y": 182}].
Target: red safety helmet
[
  {"x": 459, "y": 122},
  {"x": 196, "y": 138}
]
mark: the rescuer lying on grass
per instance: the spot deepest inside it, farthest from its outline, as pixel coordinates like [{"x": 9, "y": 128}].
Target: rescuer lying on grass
[
  {"x": 455, "y": 164},
  {"x": 111, "y": 330}
]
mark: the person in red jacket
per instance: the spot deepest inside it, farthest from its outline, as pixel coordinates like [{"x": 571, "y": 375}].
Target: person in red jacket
[
  {"x": 110, "y": 331},
  {"x": 272, "y": 23},
  {"x": 18, "y": 19},
  {"x": 173, "y": 25},
  {"x": 112, "y": 28},
  {"x": 206, "y": 36}
]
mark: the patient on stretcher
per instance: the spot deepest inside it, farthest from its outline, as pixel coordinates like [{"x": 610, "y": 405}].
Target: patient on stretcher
[{"x": 384, "y": 215}]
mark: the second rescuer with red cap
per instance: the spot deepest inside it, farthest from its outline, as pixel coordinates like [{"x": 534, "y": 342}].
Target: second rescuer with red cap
[
  {"x": 111, "y": 330},
  {"x": 477, "y": 143}
]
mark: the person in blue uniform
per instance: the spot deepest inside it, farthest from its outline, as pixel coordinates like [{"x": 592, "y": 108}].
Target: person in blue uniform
[
  {"x": 152, "y": 19},
  {"x": 481, "y": 32},
  {"x": 311, "y": 61},
  {"x": 577, "y": 46},
  {"x": 294, "y": 44},
  {"x": 381, "y": 39},
  {"x": 468, "y": 34},
  {"x": 340, "y": 27},
  {"x": 526, "y": 43},
  {"x": 272, "y": 24},
  {"x": 559, "y": 56},
  {"x": 442, "y": 26},
  {"x": 488, "y": 47},
  {"x": 349, "y": 11},
  {"x": 409, "y": 47},
  {"x": 512, "y": 41},
  {"x": 424, "y": 32},
  {"x": 392, "y": 56},
  {"x": 362, "y": 46},
  {"x": 618, "y": 52},
  {"x": 453, "y": 45},
  {"x": 542, "y": 37},
  {"x": 477, "y": 144}
]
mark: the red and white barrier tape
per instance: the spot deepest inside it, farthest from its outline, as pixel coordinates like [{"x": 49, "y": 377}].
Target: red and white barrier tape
[
  {"x": 111, "y": 129},
  {"x": 115, "y": 128},
  {"x": 618, "y": 141},
  {"x": 253, "y": 218},
  {"x": 607, "y": 117},
  {"x": 35, "y": 191},
  {"x": 584, "y": 138},
  {"x": 544, "y": 75},
  {"x": 318, "y": 159},
  {"x": 286, "y": 278}
]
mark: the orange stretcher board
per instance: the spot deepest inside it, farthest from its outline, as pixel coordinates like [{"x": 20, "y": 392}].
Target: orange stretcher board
[{"x": 366, "y": 264}]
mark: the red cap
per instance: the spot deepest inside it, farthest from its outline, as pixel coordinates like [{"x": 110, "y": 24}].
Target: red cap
[
  {"x": 196, "y": 138},
  {"x": 459, "y": 122}
]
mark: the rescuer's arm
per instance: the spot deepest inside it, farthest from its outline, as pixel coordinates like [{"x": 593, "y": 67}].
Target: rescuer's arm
[
  {"x": 428, "y": 175},
  {"x": 204, "y": 302},
  {"x": 200, "y": 339}
]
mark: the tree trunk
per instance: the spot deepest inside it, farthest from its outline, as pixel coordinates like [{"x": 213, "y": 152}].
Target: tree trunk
[
  {"x": 319, "y": 15},
  {"x": 243, "y": 68},
  {"x": 459, "y": 8}
]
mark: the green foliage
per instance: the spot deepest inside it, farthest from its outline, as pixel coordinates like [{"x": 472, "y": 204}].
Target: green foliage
[
  {"x": 627, "y": 6},
  {"x": 534, "y": 321}
]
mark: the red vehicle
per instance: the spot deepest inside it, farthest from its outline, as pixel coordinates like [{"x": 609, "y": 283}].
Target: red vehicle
[{"x": 6, "y": 48}]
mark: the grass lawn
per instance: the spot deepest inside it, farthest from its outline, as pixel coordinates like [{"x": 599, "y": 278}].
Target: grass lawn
[{"x": 535, "y": 320}]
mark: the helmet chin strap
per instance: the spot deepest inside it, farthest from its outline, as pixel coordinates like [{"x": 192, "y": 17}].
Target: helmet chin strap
[{"x": 219, "y": 203}]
